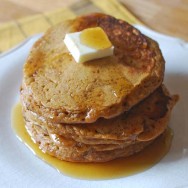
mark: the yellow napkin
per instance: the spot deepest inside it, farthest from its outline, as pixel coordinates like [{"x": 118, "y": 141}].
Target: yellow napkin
[{"x": 16, "y": 31}]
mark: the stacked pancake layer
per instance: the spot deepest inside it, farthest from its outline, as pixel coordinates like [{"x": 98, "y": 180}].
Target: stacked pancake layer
[
  {"x": 104, "y": 140},
  {"x": 100, "y": 110}
]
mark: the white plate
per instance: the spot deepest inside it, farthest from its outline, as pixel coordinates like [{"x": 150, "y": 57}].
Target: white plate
[{"x": 19, "y": 168}]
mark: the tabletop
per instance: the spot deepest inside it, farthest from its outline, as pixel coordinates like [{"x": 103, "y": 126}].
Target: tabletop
[{"x": 168, "y": 17}]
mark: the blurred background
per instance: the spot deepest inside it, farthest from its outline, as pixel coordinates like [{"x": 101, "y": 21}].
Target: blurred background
[{"x": 166, "y": 16}]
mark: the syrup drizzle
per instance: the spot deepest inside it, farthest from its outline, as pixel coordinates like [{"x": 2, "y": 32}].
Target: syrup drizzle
[{"x": 114, "y": 169}]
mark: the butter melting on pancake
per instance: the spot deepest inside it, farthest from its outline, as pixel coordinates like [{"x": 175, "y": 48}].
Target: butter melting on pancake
[{"x": 63, "y": 91}]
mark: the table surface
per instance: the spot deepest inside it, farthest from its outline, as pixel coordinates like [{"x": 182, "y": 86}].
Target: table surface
[{"x": 166, "y": 16}]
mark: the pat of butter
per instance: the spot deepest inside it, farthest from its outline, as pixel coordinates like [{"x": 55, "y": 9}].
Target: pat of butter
[{"x": 89, "y": 44}]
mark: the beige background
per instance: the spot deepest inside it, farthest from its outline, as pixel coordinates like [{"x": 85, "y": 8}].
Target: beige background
[{"x": 167, "y": 16}]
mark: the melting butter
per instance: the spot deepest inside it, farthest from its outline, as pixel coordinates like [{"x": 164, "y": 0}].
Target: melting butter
[{"x": 95, "y": 38}]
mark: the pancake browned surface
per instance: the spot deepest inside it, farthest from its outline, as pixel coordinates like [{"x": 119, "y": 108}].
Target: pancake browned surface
[
  {"x": 63, "y": 91},
  {"x": 104, "y": 140}
]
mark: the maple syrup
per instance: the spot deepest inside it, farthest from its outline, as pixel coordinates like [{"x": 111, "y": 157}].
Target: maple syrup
[
  {"x": 108, "y": 170},
  {"x": 95, "y": 38}
]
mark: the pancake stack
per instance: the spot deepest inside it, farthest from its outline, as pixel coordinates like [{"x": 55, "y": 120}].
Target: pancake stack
[{"x": 99, "y": 110}]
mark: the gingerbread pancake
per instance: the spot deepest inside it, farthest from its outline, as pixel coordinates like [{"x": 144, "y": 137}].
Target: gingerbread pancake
[
  {"x": 63, "y": 91},
  {"x": 104, "y": 139}
]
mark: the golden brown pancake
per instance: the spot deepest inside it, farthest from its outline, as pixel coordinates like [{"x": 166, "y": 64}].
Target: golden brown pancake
[
  {"x": 78, "y": 152},
  {"x": 63, "y": 91},
  {"x": 104, "y": 139}
]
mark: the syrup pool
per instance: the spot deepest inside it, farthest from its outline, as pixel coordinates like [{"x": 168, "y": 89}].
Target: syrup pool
[{"x": 122, "y": 167}]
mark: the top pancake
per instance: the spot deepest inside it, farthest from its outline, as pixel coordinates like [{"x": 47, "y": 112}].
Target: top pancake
[{"x": 63, "y": 91}]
